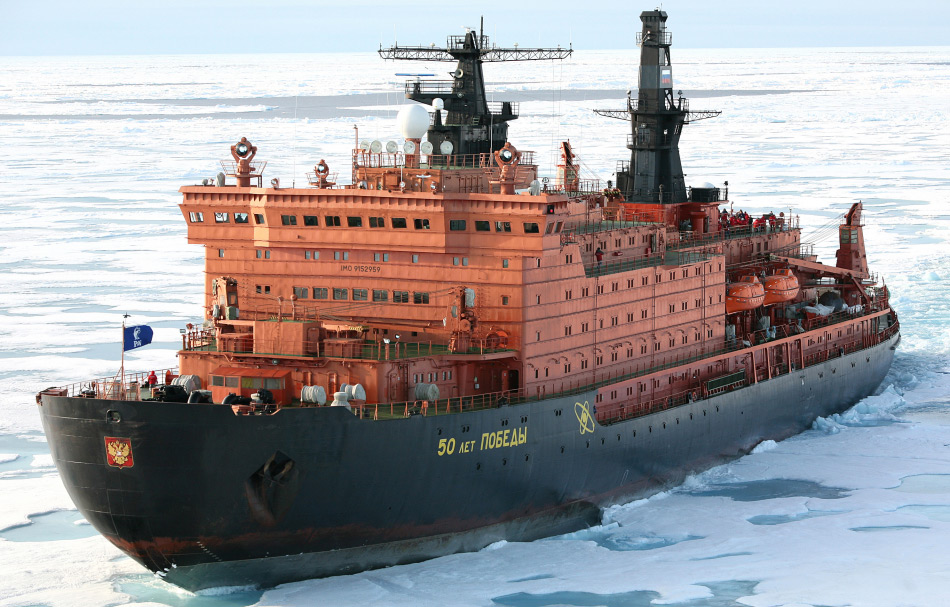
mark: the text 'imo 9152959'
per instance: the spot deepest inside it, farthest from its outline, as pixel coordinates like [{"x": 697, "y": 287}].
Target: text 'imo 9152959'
[{"x": 448, "y": 351}]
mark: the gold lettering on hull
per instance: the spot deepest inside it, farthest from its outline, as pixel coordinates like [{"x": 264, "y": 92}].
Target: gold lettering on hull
[{"x": 510, "y": 437}]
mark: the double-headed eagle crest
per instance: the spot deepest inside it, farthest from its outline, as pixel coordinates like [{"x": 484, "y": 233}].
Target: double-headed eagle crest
[{"x": 119, "y": 452}]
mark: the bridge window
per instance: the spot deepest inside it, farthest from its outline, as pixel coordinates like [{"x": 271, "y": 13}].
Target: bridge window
[
  {"x": 240, "y": 218},
  {"x": 301, "y": 292},
  {"x": 380, "y": 256},
  {"x": 340, "y": 294},
  {"x": 420, "y": 297},
  {"x": 354, "y": 222},
  {"x": 380, "y": 295},
  {"x": 259, "y": 218},
  {"x": 196, "y": 217},
  {"x": 502, "y": 226},
  {"x": 288, "y": 220},
  {"x": 377, "y": 222},
  {"x": 531, "y": 228},
  {"x": 332, "y": 221},
  {"x": 400, "y": 296},
  {"x": 398, "y": 222},
  {"x": 311, "y": 220},
  {"x": 420, "y": 224},
  {"x": 360, "y": 295},
  {"x": 482, "y": 226},
  {"x": 457, "y": 225},
  {"x": 221, "y": 218},
  {"x": 320, "y": 293}
]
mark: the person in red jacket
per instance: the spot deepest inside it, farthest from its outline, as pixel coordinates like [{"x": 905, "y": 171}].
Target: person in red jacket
[
  {"x": 168, "y": 377},
  {"x": 152, "y": 379}
]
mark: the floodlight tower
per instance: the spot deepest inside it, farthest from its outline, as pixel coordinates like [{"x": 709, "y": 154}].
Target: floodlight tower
[{"x": 654, "y": 173}]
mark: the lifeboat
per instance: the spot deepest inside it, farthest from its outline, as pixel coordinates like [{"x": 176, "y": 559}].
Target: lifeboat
[
  {"x": 745, "y": 294},
  {"x": 780, "y": 287}
]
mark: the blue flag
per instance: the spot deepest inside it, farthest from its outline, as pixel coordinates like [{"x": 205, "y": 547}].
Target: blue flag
[{"x": 137, "y": 336}]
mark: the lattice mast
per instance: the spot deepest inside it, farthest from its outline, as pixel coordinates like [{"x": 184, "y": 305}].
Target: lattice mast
[
  {"x": 655, "y": 173},
  {"x": 472, "y": 124}
]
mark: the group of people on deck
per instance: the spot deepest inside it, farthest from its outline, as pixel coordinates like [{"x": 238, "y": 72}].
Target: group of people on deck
[{"x": 768, "y": 221}]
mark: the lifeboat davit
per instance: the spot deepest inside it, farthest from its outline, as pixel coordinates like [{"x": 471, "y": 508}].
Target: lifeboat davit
[
  {"x": 780, "y": 287},
  {"x": 745, "y": 294}
]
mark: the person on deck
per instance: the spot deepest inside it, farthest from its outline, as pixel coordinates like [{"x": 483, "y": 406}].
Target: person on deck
[
  {"x": 152, "y": 379},
  {"x": 168, "y": 377},
  {"x": 599, "y": 255}
]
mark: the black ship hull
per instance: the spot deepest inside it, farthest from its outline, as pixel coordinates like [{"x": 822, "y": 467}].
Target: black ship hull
[{"x": 209, "y": 498}]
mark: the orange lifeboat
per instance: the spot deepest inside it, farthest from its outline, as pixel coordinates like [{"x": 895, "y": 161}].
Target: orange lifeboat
[
  {"x": 746, "y": 294},
  {"x": 781, "y": 286}
]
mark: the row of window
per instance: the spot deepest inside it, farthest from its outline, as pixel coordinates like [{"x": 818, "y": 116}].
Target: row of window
[
  {"x": 418, "y": 377},
  {"x": 269, "y": 383},
  {"x": 343, "y": 294},
  {"x": 345, "y": 256},
  {"x": 356, "y": 221}
]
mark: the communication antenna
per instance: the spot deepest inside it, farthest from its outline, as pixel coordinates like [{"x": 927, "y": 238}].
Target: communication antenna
[{"x": 293, "y": 180}]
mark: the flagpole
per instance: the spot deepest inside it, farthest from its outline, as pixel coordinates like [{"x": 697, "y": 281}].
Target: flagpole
[{"x": 122, "y": 366}]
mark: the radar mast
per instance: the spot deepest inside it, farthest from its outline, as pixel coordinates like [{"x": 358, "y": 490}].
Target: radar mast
[{"x": 472, "y": 125}]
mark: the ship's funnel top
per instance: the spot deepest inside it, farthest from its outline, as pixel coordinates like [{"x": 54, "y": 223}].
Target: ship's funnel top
[{"x": 413, "y": 121}]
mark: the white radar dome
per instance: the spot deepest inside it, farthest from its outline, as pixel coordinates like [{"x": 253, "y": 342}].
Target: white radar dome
[
  {"x": 705, "y": 185},
  {"x": 413, "y": 121},
  {"x": 438, "y": 104}
]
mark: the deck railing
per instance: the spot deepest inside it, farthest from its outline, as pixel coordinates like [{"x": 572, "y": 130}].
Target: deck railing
[{"x": 129, "y": 387}]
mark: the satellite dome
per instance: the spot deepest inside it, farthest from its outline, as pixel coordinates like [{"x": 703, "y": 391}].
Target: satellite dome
[
  {"x": 437, "y": 103},
  {"x": 413, "y": 121},
  {"x": 705, "y": 185}
]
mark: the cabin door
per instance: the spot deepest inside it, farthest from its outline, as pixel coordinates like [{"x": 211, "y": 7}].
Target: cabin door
[
  {"x": 513, "y": 379},
  {"x": 399, "y": 383}
]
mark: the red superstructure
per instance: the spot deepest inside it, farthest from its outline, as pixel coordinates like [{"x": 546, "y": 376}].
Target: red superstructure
[{"x": 424, "y": 273}]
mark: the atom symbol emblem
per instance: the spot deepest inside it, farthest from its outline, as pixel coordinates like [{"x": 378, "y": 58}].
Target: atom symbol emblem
[{"x": 582, "y": 411}]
